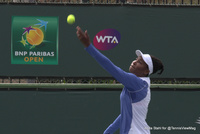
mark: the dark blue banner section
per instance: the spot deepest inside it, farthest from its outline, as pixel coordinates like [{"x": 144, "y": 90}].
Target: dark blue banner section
[
  {"x": 87, "y": 112},
  {"x": 52, "y": 48}
]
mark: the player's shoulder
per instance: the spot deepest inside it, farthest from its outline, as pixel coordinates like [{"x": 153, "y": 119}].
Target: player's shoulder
[{"x": 146, "y": 79}]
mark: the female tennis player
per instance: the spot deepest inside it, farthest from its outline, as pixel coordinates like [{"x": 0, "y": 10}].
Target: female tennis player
[{"x": 135, "y": 96}]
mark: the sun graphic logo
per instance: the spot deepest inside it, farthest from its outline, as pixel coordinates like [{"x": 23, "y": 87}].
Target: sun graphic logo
[{"x": 34, "y": 36}]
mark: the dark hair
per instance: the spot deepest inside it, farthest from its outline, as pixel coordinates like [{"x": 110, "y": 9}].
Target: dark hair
[{"x": 157, "y": 65}]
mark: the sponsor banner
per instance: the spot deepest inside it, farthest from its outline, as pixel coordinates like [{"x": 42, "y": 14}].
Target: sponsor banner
[{"x": 34, "y": 40}]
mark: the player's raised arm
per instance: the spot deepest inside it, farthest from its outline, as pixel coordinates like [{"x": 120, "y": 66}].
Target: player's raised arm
[{"x": 83, "y": 36}]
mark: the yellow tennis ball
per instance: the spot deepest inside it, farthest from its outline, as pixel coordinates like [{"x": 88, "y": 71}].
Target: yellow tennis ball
[{"x": 71, "y": 19}]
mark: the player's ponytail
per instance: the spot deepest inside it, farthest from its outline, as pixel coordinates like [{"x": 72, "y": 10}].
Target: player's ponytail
[{"x": 157, "y": 65}]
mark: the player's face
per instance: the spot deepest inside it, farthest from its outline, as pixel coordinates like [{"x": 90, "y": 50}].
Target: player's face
[{"x": 139, "y": 67}]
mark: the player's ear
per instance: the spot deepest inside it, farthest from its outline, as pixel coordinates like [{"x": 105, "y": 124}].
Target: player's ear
[{"x": 146, "y": 72}]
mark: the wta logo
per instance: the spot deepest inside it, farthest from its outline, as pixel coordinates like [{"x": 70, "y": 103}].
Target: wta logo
[{"x": 106, "y": 39}]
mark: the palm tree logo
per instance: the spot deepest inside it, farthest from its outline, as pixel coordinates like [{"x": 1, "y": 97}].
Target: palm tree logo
[{"x": 34, "y": 36}]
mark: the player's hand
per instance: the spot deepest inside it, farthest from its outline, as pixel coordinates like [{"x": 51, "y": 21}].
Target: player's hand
[{"x": 83, "y": 36}]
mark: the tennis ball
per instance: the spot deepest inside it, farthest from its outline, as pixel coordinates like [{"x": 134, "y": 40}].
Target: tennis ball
[{"x": 71, "y": 19}]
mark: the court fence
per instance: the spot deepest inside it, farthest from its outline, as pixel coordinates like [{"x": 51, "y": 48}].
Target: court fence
[
  {"x": 107, "y": 2},
  {"x": 91, "y": 83},
  {"x": 90, "y": 80}
]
